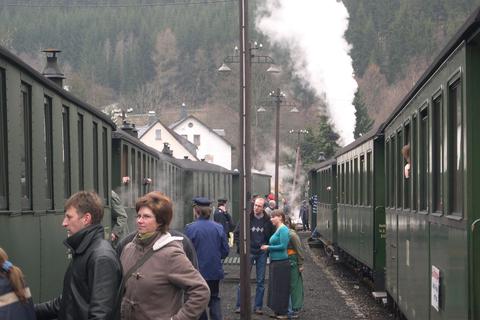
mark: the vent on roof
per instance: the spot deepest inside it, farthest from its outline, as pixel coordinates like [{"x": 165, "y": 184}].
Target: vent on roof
[
  {"x": 166, "y": 149},
  {"x": 130, "y": 128},
  {"x": 52, "y": 70}
]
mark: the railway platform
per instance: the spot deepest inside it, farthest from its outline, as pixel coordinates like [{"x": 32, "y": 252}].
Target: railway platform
[{"x": 330, "y": 292}]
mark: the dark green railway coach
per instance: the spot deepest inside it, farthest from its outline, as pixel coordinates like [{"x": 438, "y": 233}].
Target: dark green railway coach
[
  {"x": 51, "y": 145},
  {"x": 433, "y": 242},
  {"x": 323, "y": 184},
  {"x": 360, "y": 203},
  {"x": 136, "y": 170}
]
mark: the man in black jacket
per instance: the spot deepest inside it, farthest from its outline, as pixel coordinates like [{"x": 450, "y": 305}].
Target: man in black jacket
[
  {"x": 223, "y": 217},
  {"x": 93, "y": 277}
]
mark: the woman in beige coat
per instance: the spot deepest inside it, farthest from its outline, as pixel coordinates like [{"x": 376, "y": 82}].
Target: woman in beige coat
[{"x": 155, "y": 290}]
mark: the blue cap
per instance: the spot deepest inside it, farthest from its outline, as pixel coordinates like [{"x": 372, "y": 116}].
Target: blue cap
[{"x": 201, "y": 201}]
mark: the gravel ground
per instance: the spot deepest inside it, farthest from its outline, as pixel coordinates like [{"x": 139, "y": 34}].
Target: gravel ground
[{"x": 332, "y": 291}]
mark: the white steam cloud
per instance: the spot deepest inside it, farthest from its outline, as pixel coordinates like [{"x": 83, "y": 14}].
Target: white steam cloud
[{"x": 313, "y": 31}]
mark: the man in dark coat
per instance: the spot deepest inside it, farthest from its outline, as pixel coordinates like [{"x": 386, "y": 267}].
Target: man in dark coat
[
  {"x": 211, "y": 245},
  {"x": 223, "y": 217},
  {"x": 93, "y": 277},
  {"x": 304, "y": 215}
]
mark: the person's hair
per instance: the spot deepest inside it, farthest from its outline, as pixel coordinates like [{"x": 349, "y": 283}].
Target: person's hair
[
  {"x": 15, "y": 277},
  {"x": 406, "y": 152},
  {"x": 272, "y": 202},
  {"x": 87, "y": 201},
  {"x": 203, "y": 211},
  {"x": 161, "y": 206},
  {"x": 288, "y": 223},
  {"x": 278, "y": 213}
]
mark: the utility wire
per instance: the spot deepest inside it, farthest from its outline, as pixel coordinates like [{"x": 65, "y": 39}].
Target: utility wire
[{"x": 113, "y": 5}]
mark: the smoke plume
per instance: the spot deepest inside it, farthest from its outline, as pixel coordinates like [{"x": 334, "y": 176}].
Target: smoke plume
[{"x": 313, "y": 32}]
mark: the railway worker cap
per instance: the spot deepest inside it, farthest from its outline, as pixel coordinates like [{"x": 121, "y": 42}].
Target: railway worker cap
[
  {"x": 201, "y": 201},
  {"x": 222, "y": 201}
]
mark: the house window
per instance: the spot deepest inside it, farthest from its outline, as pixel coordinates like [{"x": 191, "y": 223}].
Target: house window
[
  {"x": 196, "y": 139},
  {"x": 190, "y": 124},
  {"x": 158, "y": 134}
]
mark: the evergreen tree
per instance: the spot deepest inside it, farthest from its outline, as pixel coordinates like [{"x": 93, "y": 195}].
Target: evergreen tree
[
  {"x": 322, "y": 139},
  {"x": 363, "y": 122}
]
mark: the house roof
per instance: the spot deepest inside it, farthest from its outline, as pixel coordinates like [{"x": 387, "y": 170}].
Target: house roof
[
  {"x": 192, "y": 148},
  {"x": 177, "y": 123}
]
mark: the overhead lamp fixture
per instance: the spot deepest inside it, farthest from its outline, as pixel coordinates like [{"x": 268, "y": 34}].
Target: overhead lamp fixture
[
  {"x": 294, "y": 110},
  {"x": 273, "y": 69},
  {"x": 224, "y": 68},
  {"x": 261, "y": 109}
]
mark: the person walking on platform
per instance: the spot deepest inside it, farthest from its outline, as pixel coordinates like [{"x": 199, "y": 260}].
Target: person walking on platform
[
  {"x": 223, "y": 217},
  {"x": 304, "y": 215},
  {"x": 93, "y": 277},
  {"x": 210, "y": 242},
  {"x": 119, "y": 219},
  {"x": 157, "y": 274},
  {"x": 279, "y": 272},
  {"x": 261, "y": 229},
  {"x": 270, "y": 207},
  {"x": 297, "y": 258},
  {"x": 15, "y": 297}
]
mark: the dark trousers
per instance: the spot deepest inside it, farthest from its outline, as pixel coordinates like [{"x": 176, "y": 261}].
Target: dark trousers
[
  {"x": 305, "y": 224},
  {"x": 214, "y": 305}
]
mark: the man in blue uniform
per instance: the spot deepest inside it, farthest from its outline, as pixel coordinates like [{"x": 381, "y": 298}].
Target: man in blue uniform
[{"x": 211, "y": 245}]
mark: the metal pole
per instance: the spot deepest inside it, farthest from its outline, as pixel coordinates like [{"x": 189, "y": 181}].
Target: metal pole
[
  {"x": 277, "y": 143},
  {"x": 244, "y": 163}
]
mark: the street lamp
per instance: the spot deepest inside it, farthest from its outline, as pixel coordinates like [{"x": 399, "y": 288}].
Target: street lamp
[
  {"x": 245, "y": 58},
  {"x": 279, "y": 96}
]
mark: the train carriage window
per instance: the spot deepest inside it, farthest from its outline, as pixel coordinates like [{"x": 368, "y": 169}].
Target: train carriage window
[
  {"x": 406, "y": 153},
  {"x": 3, "y": 144},
  {"x": 144, "y": 173},
  {"x": 81, "y": 164},
  {"x": 124, "y": 163},
  {"x": 344, "y": 183},
  {"x": 347, "y": 182},
  {"x": 400, "y": 168},
  {"x": 455, "y": 147},
  {"x": 355, "y": 182},
  {"x": 392, "y": 171},
  {"x": 362, "y": 181},
  {"x": 139, "y": 175},
  {"x": 423, "y": 160},
  {"x": 133, "y": 172},
  {"x": 369, "y": 179},
  {"x": 387, "y": 173},
  {"x": 437, "y": 133},
  {"x": 26, "y": 147},
  {"x": 48, "y": 140},
  {"x": 67, "y": 170},
  {"x": 95, "y": 157},
  {"x": 105, "y": 164},
  {"x": 414, "y": 164}
]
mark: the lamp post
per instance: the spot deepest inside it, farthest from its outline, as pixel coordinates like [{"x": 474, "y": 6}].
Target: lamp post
[
  {"x": 245, "y": 58},
  {"x": 278, "y": 96}
]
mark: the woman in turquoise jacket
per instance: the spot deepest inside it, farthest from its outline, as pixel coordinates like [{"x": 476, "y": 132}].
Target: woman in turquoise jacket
[{"x": 279, "y": 282}]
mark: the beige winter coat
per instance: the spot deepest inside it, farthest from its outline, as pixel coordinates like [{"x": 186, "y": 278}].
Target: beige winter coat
[{"x": 156, "y": 289}]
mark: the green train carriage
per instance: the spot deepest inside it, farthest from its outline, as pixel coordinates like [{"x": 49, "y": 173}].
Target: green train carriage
[
  {"x": 360, "y": 204},
  {"x": 51, "y": 145},
  {"x": 433, "y": 242},
  {"x": 323, "y": 184}
]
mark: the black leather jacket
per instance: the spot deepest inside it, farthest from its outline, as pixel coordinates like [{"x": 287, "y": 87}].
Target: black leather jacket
[{"x": 91, "y": 282}]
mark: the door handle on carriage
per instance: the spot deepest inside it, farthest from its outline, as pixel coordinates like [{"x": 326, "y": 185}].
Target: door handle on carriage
[{"x": 474, "y": 223}]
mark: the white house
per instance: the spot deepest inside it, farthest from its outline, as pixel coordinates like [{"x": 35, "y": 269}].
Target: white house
[
  {"x": 156, "y": 134},
  {"x": 211, "y": 145}
]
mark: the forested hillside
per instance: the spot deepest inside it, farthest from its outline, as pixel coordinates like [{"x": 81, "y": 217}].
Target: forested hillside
[{"x": 158, "y": 54}]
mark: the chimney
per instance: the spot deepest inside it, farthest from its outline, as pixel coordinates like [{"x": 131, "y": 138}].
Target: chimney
[
  {"x": 52, "y": 70},
  {"x": 130, "y": 129},
  {"x": 166, "y": 149}
]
